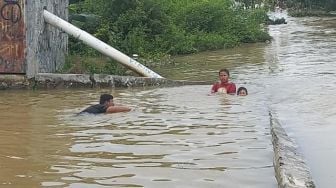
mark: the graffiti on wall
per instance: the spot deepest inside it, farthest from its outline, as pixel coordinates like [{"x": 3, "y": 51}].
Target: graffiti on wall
[{"x": 12, "y": 36}]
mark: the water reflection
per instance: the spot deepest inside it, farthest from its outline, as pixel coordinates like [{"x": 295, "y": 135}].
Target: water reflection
[{"x": 205, "y": 66}]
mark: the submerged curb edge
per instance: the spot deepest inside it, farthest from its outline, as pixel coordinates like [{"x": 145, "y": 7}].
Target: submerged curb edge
[
  {"x": 290, "y": 168},
  {"x": 56, "y": 81}
]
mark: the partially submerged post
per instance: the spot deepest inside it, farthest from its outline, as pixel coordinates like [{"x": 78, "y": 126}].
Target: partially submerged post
[
  {"x": 28, "y": 45},
  {"x": 98, "y": 45}
]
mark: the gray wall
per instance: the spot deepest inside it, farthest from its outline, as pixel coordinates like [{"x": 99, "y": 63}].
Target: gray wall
[{"x": 46, "y": 45}]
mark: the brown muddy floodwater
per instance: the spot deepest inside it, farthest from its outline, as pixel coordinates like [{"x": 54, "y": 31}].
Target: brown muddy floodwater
[
  {"x": 174, "y": 137},
  {"x": 180, "y": 136}
]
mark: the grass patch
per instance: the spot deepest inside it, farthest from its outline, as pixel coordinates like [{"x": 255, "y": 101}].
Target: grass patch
[{"x": 76, "y": 64}]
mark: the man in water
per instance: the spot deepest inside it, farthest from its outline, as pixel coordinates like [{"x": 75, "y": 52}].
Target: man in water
[
  {"x": 105, "y": 105},
  {"x": 224, "y": 86}
]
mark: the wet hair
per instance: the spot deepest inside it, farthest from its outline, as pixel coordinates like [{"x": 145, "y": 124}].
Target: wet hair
[
  {"x": 105, "y": 98},
  {"x": 224, "y": 70},
  {"x": 240, "y": 89}
]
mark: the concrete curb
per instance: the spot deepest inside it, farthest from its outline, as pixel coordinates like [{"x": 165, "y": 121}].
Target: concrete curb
[
  {"x": 290, "y": 168},
  {"x": 55, "y": 81},
  {"x": 13, "y": 82}
]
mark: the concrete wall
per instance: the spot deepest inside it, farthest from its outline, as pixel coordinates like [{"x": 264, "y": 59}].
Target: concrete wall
[{"x": 46, "y": 45}]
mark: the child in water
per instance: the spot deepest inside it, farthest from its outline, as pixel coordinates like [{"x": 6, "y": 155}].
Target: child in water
[{"x": 242, "y": 91}]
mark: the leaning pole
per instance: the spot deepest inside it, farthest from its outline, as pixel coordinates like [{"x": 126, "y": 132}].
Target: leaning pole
[{"x": 98, "y": 45}]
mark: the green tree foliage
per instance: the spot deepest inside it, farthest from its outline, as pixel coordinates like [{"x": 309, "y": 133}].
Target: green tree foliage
[{"x": 158, "y": 27}]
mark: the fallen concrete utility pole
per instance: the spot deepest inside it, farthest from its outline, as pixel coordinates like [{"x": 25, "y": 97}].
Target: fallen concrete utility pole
[{"x": 98, "y": 45}]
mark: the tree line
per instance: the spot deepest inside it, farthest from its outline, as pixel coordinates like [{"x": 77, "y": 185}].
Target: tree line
[{"x": 157, "y": 27}]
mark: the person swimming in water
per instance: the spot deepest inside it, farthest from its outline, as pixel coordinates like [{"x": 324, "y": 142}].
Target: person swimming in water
[
  {"x": 242, "y": 91},
  {"x": 224, "y": 86},
  {"x": 106, "y": 105}
]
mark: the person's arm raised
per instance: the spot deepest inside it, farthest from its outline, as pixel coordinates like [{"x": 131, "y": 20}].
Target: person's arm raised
[{"x": 116, "y": 109}]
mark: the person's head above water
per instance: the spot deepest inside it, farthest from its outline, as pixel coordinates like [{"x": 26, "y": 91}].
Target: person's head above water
[
  {"x": 106, "y": 105},
  {"x": 242, "y": 91},
  {"x": 224, "y": 86},
  {"x": 224, "y": 75},
  {"x": 104, "y": 98}
]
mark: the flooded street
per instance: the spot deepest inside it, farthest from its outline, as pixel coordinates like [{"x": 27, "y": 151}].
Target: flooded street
[
  {"x": 304, "y": 83},
  {"x": 180, "y": 136},
  {"x": 169, "y": 139},
  {"x": 296, "y": 74}
]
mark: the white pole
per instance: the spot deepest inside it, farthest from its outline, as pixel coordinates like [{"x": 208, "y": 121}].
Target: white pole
[{"x": 98, "y": 45}]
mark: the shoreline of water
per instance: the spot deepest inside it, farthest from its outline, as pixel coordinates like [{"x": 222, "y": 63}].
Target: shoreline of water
[{"x": 58, "y": 81}]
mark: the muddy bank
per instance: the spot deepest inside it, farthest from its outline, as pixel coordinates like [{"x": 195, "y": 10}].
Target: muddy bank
[{"x": 54, "y": 81}]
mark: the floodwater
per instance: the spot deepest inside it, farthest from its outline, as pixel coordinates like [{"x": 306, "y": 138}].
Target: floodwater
[
  {"x": 303, "y": 91},
  {"x": 296, "y": 75},
  {"x": 180, "y": 136}
]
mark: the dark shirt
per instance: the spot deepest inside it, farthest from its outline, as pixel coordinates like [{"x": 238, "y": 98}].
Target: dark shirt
[{"x": 95, "y": 109}]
